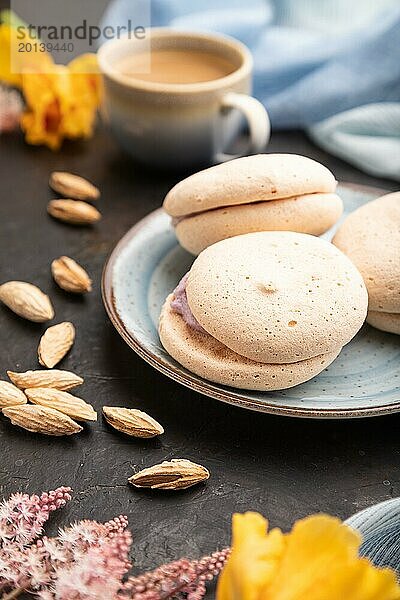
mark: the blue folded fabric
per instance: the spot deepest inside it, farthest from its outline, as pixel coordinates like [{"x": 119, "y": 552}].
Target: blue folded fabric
[
  {"x": 331, "y": 67},
  {"x": 367, "y": 137}
]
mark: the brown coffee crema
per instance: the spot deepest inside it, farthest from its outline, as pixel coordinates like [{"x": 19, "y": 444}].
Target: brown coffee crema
[{"x": 176, "y": 66}]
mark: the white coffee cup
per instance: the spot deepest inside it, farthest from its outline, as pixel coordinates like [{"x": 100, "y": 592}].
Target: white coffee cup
[{"x": 182, "y": 125}]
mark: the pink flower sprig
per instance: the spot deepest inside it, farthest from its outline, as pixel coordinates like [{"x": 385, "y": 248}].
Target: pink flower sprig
[
  {"x": 97, "y": 574},
  {"x": 82, "y": 560},
  {"x": 11, "y": 107},
  {"x": 22, "y": 516},
  {"x": 21, "y": 522},
  {"x": 87, "y": 560},
  {"x": 179, "y": 577}
]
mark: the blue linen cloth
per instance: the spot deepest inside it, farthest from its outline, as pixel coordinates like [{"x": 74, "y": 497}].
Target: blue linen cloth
[{"x": 331, "y": 67}]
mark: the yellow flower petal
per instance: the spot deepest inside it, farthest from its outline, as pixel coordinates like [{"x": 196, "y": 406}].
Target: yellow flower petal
[
  {"x": 13, "y": 63},
  {"x": 61, "y": 101},
  {"x": 318, "y": 560},
  {"x": 61, "y": 104},
  {"x": 321, "y": 563},
  {"x": 87, "y": 77},
  {"x": 6, "y": 74},
  {"x": 42, "y": 120},
  {"x": 254, "y": 558}
]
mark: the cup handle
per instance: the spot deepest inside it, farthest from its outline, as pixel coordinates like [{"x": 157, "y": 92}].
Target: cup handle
[{"x": 257, "y": 120}]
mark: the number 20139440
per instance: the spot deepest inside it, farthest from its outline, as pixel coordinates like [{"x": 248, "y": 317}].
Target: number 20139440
[{"x": 45, "y": 47}]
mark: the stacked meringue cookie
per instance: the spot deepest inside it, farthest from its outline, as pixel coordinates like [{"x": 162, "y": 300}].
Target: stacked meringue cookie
[
  {"x": 370, "y": 237},
  {"x": 264, "y": 311},
  {"x": 266, "y": 192}
]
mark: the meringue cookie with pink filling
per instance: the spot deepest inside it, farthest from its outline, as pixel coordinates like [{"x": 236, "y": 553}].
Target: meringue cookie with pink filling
[{"x": 264, "y": 311}]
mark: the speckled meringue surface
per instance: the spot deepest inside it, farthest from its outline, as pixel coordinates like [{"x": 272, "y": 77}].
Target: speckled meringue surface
[
  {"x": 207, "y": 357},
  {"x": 370, "y": 237},
  {"x": 265, "y": 192},
  {"x": 277, "y": 297},
  {"x": 384, "y": 321},
  {"x": 311, "y": 213},
  {"x": 249, "y": 179}
]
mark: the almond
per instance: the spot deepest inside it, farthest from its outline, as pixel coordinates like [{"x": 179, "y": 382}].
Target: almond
[
  {"x": 55, "y": 343},
  {"x": 132, "y": 422},
  {"x": 70, "y": 276},
  {"x": 59, "y": 380},
  {"x": 10, "y": 395},
  {"x": 74, "y": 407},
  {"x": 73, "y": 186},
  {"x": 40, "y": 419},
  {"x": 27, "y": 301},
  {"x": 177, "y": 474},
  {"x": 74, "y": 212}
]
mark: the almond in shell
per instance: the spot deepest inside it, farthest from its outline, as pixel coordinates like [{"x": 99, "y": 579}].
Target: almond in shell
[
  {"x": 132, "y": 422},
  {"x": 70, "y": 276},
  {"x": 40, "y": 419},
  {"x": 55, "y": 343},
  {"x": 70, "y": 405},
  {"x": 177, "y": 474},
  {"x": 53, "y": 378},
  {"x": 74, "y": 212},
  {"x": 73, "y": 186},
  {"x": 27, "y": 301},
  {"x": 10, "y": 395}
]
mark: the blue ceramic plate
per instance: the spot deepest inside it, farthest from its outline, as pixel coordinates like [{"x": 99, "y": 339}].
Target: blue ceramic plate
[{"x": 146, "y": 266}]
